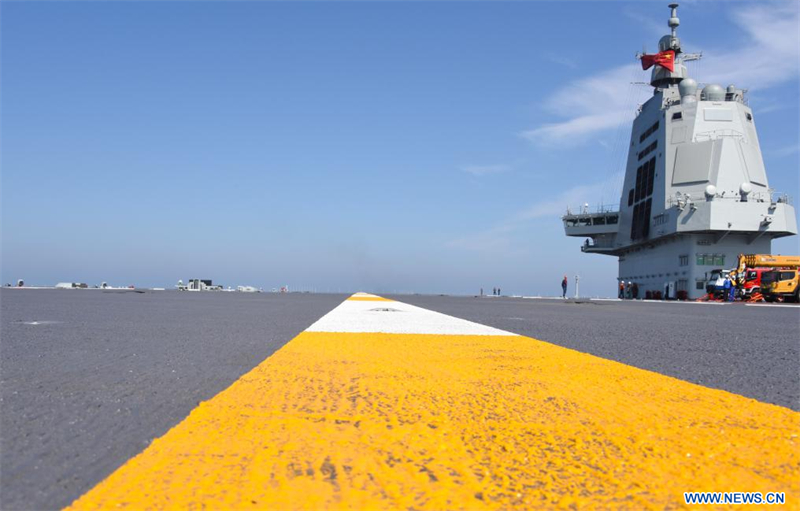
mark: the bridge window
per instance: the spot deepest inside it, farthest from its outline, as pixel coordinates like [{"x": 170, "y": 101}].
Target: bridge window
[
  {"x": 645, "y": 178},
  {"x": 649, "y": 149},
  {"x": 640, "y": 222},
  {"x": 652, "y": 129},
  {"x": 677, "y": 116},
  {"x": 683, "y": 260},
  {"x": 641, "y": 195},
  {"x": 645, "y": 220},
  {"x": 638, "y": 195}
]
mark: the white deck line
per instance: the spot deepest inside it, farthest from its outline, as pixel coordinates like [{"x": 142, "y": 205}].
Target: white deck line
[
  {"x": 773, "y": 305},
  {"x": 396, "y": 318}
]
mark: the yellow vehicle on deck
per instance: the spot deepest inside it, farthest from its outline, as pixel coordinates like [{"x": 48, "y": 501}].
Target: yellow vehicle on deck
[{"x": 779, "y": 283}]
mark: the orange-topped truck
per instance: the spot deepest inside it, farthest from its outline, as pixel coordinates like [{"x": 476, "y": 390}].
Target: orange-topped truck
[{"x": 770, "y": 275}]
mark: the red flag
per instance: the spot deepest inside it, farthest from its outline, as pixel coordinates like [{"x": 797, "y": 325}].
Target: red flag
[{"x": 665, "y": 59}]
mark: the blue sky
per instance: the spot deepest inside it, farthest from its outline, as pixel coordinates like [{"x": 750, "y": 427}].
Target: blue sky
[{"x": 394, "y": 146}]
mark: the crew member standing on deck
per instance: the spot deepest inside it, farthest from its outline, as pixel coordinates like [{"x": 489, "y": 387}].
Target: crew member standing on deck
[
  {"x": 730, "y": 290},
  {"x": 621, "y": 289},
  {"x": 564, "y": 287}
]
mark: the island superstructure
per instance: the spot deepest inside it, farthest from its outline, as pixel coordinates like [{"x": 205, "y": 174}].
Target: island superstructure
[{"x": 695, "y": 192}]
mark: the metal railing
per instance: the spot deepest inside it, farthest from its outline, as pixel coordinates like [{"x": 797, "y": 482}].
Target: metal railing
[
  {"x": 597, "y": 244},
  {"x": 596, "y": 210},
  {"x": 699, "y": 197},
  {"x": 716, "y": 134},
  {"x": 781, "y": 198}
]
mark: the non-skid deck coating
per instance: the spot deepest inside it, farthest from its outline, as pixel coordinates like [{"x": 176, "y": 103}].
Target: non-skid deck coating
[{"x": 396, "y": 418}]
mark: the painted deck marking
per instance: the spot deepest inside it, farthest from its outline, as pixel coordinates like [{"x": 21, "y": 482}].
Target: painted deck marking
[
  {"x": 388, "y": 420},
  {"x": 366, "y": 297}
]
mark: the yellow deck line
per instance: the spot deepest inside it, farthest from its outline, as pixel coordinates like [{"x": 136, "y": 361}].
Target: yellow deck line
[{"x": 402, "y": 421}]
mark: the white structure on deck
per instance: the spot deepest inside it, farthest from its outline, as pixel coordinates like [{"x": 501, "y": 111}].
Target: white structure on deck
[
  {"x": 198, "y": 285},
  {"x": 71, "y": 285},
  {"x": 695, "y": 193}
]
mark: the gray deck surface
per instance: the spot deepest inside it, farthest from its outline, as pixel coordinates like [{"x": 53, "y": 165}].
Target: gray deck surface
[
  {"x": 103, "y": 373},
  {"x": 82, "y": 395}
]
